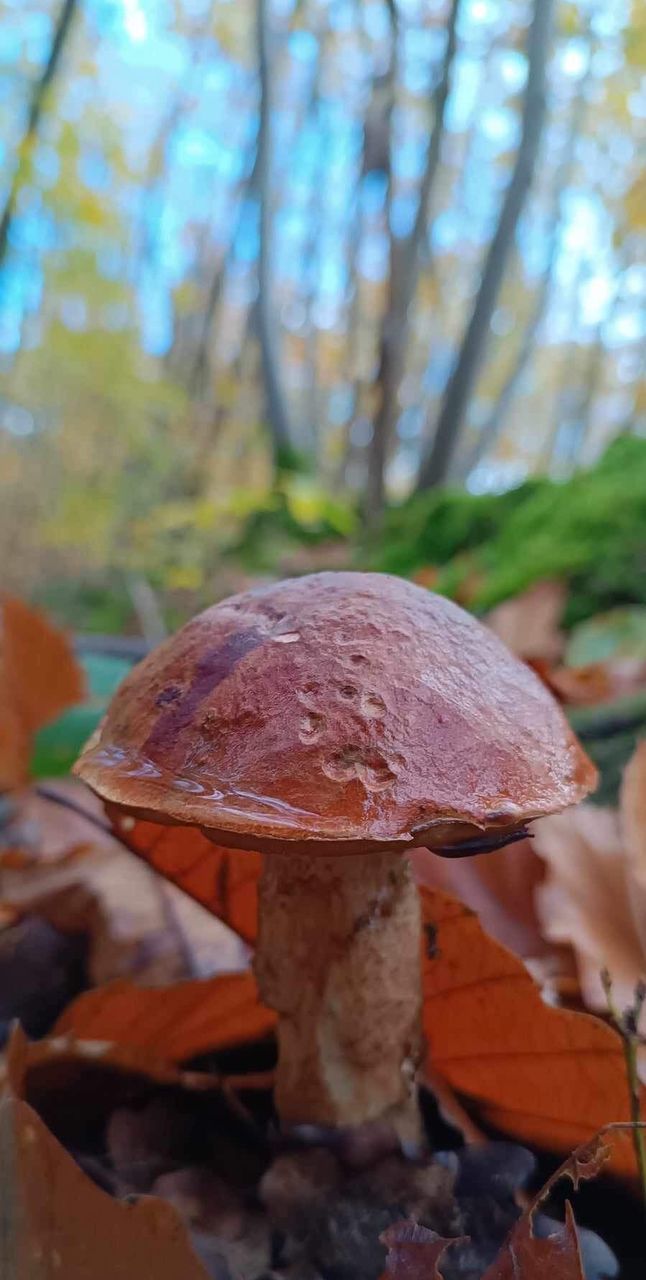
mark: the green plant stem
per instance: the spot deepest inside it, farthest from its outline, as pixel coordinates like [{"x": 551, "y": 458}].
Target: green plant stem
[{"x": 626, "y": 1024}]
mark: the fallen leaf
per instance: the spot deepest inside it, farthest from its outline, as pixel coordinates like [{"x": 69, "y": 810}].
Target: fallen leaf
[
  {"x": 175, "y": 1023},
  {"x": 529, "y": 624},
  {"x": 526, "y": 1256},
  {"x": 594, "y": 893},
  {"x": 589, "y": 686},
  {"x": 57, "y": 1222},
  {"x": 546, "y": 1076},
  {"x": 28, "y": 1061},
  {"x": 499, "y": 887},
  {"x": 224, "y": 880},
  {"x": 413, "y": 1251},
  {"x": 585, "y": 899},
  {"x": 39, "y": 677},
  {"x": 137, "y": 925},
  {"x": 578, "y": 686}
]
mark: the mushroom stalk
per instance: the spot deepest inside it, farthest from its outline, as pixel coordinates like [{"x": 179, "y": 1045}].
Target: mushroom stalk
[{"x": 338, "y": 959}]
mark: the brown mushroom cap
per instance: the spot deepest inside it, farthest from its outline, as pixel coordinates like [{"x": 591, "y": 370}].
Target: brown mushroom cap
[{"x": 336, "y": 713}]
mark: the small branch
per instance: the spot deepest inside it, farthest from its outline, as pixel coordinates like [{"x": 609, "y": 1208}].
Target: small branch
[{"x": 627, "y": 1024}]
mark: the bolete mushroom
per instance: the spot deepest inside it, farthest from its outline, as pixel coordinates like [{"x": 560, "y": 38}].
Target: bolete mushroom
[{"x": 333, "y": 722}]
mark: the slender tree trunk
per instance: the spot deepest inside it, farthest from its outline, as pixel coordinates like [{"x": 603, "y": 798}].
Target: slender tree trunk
[
  {"x": 436, "y": 464},
  {"x": 562, "y": 177},
  {"x": 200, "y": 361},
  {"x": 378, "y": 450},
  {"x": 278, "y": 415},
  {"x": 404, "y": 268},
  {"x": 34, "y": 113}
]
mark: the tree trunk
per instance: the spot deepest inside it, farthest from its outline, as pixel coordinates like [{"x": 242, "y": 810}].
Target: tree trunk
[
  {"x": 278, "y": 415},
  {"x": 562, "y": 177},
  {"x": 377, "y": 453},
  {"x": 35, "y": 111},
  {"x": 436, "y": 464},
  {"x": 404, "y": 266}
]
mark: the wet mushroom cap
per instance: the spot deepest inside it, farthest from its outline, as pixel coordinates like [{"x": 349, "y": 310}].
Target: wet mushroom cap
[{"x": 337, "y": 713}]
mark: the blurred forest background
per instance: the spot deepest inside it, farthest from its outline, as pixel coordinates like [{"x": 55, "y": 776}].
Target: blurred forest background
[{"x": 297, "y": 283}]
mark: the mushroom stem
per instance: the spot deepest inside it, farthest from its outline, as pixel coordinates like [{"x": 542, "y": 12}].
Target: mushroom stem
[{"x": 338, "y": 958}]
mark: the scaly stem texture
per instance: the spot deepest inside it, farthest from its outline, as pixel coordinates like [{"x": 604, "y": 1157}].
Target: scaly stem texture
[{"x": 339, "y": 960}]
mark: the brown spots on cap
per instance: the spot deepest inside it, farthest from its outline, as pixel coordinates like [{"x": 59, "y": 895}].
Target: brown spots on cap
[
  {"x": 311, "y": 726},
  {"x": 372, "y": 706},
  {"x": 348, "y": 692},
  {"x": 364, "y": 764}
]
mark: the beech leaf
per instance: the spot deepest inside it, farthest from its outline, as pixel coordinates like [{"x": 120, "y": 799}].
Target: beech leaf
[
  {"x": 39, "y": 677},
  {"x": 57, "y": 1222},
  {"x": 174, "y": 1023}
]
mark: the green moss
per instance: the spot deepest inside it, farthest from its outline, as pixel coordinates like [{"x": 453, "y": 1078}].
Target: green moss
[{"x": 589, "y": 531}]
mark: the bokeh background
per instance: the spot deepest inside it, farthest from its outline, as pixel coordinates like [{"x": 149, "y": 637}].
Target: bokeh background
[{"x": 295, "y": 283}]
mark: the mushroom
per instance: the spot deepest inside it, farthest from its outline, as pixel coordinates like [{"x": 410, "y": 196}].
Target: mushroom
[{"x": 333, "y": 722}]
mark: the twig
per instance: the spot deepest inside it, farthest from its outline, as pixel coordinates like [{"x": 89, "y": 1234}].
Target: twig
[{"x": 626, "y": 1024}]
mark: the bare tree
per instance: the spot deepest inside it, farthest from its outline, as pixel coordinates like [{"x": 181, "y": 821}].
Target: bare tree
[
  {"x": 404, "y": 266},
  {"x": 278, "y": 415},
  {"x": 35, "y": 110},
  {"x": 436, "y": 463},
  {"x": 492, "y": 428}
]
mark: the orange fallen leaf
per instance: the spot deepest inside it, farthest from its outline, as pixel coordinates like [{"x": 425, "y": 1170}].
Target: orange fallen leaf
[
  {"x": 57, "y": 1222},
  {"x": 33, "y": 1068},
  {"x": 173, "y": 1023},
  {"x": 547, "y": 1076},
  {"x": 39, "y": 677},
  {"x": 224, "y": 880}
]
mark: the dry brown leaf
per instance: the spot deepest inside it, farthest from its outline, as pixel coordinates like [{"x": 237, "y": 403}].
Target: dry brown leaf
[
  {"x": 224, "y": 880},
  {"x": 173, "y": 1023},
  {"x": 547, "y": 1076},
  {"x": 413, "y": 1251},
  {"x": 594, "y": 893},
  {"x": 57, "y": 1222},
  {"x": 138, "y": 926},
  {"x": 580, "y": 686},
  {"x": 527, "y": 1257},
  {"x": 498, "y": 886},
  {"x": 39, "y": 677},
  {"x": 529, "y": 624}
]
